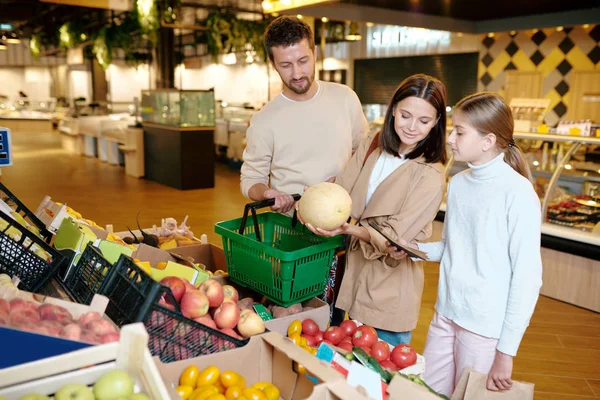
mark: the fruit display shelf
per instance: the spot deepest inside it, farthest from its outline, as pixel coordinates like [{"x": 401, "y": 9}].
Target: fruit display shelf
[{"x": 87, "y": 366}]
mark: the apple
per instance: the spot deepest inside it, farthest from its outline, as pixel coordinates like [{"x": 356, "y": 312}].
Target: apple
[
  {"x": 231, "y": 332},
  {"x": 88, "y": 317},
  {"x": 230, "y": 293},
  {"x": 4, "y": 306},
  {"x": 110, "y": 337},
  {"x": 4, "y": 319},
  {"x": 176, "y": 285},
  {"x": 227, "y": 315},
  {"x": 188, "y": 286},
  {"x": 206, "y": 321},
  {"x": 71, "y": 332},
  {"x": 74, "y": 391},
  {"x": 194, "y": 304},
  {"x": 100, "y": 327},
  {"x": 113, "y": 385},
  {"x": 165, "y": 304},
  {"x": 213, "y": 291},
  {"x": 250, "y": 324}
]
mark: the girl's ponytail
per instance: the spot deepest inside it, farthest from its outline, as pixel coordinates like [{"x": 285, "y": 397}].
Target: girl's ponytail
[{"x": 514, "y": 157}]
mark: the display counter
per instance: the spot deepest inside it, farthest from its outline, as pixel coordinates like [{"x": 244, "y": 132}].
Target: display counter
[
  {"x": 27, "y": 115},
  {"x": 566, "y": 176},
  {"x": 179, "y": 130}
]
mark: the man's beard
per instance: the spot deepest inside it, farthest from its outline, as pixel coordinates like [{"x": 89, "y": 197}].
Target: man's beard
[{"x": 301, "y": 89}]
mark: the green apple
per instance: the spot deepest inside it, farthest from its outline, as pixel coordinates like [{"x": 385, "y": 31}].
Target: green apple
[
  {"x": 74, "y": 391},
  {"x": 138, "y": 396},
  {"x": 113, "y": 385},
  {"x": 33, "y": 396}
]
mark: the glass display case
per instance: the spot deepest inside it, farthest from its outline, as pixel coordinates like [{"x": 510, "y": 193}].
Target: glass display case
[
  {"x": 566, "y": 177},
  {"x": 27, "y": 108},
  {"x": 179, "y": 108}
]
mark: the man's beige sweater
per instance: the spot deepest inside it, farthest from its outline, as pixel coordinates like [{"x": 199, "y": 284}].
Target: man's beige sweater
[{"x": 292, "y": 144}]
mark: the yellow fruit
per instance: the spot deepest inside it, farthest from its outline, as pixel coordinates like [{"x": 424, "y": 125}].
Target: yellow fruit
[
  {"x": 261, "y": 385},
  {"x": 297, "y": 339},
  {"x": 233, "y": 393},
  {"x": 208, "y": 376},
  {"x": 220, "y": 386},
  {"x": 231, "y": 378},
  {"x": 218, "y": 396},
  {"x": 161, "y": 265},
  {"x": 184, "y": 391},
  {"x": 300, "y": 368},
  {"x": 204, "y": 393},
  {"x": 271, "y": 392},
  {"x": 189, "y": 377},
  {"x": 295, "y": 327},
  {"x": 136, "y": 260},
  {"x": 220, "y": 272},
  {"x": 307, "y": 348},
  {"x": 254, "y": 394},
  {"x": 145, "y": 266}
]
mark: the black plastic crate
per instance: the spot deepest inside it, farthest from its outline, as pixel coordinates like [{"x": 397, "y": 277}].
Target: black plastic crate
[
  {"x": 17, "y": 255},
  {"x": 9, "y": 198},
  {"x": 87, "y": 276},
  {"x": 134, "y": 297}
]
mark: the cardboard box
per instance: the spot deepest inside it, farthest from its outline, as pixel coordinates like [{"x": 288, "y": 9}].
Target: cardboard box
[
  {"x": 269, "y": 357},
  {"x": 319, "y": 314},
  {"x": 213, "y": 257},
  {"x": 86, "y": 366}
]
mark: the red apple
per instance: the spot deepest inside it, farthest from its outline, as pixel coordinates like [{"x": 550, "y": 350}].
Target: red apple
[
  {"x": 227, "y": 315},
  {"x": 164, "y": 303},
  {"x": 100, "y": 327},
  {"x": 250, "y": 324},
  {"x": 207, "y": 321},
  {"x": 230, "y": 293},
  {"x": 231, "y": 332},
  {"x": 194, "y": 304},
  {"x": 213, "y": 291},
  {"x": 176, "y": 285},
  {"x": 51, "y": 312},
  {"x": 188, "y": 286},
  {"x": 54, "y": 327},
  {"x": 89, "y": 317},
  {"x": 4, "y": 306}
]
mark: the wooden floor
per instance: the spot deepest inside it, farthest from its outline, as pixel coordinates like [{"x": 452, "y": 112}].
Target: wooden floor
[{"x": 561, "y": 349}]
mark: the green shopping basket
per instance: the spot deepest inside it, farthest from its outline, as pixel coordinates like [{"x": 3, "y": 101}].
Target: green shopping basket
[{"x": 276, "y": 256}]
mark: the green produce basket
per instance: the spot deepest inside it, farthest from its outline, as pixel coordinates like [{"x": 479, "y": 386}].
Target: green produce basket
[{"x": 275, "y": 256}]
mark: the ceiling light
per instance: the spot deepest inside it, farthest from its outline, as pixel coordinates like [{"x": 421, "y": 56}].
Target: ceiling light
[
  {"x": 266, "y": 5},
  {"x": 370, "y": 24},
  {"x": 585, "y": 26},
  {"x": 513, "y": 32},
  {"x": 559, "y": 28},
  {"x": 459, "y": 34},
  {"x": 285, "y": 2},
  {"x": 491, "y": 34},
  {"x": 299, "y": 16},
  {"x": 324, "y": 19}
]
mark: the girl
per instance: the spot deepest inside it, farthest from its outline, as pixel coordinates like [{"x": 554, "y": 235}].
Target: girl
[
  {"x": 395, "y": 179},
  {"x": 491, "y": 267}
]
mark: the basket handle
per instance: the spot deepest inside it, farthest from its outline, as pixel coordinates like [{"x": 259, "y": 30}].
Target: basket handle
[{"x": 252, "y": 207}]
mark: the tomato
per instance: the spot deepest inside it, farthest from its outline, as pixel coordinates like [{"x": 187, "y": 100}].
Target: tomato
[
  {"x": 327, "y": 342},
  {"x": 297, "y": 339},
  {"x": 261, "y": 385},
  {"x": 233, "y": 393},
  {"x": 366, "y": 349},
  {"x": 333, "y": 334},
  {"x": 347, "y": 339},
  {"x": 403, "y": 356},
  {"x": 319, "y": 337},
  {"x": 271, "y": 392},
  {"x": 295, "y": 327},
  {"x": 300, "y": 369},
  {"x": 209, "y": 376},
  {"x": 345, "y": 346},
  {"x": 231, "y": 378},
  {"x": 348, "y": 327},
  {"x": 217, "y": 396},
  {"x": 365, "y": 336},
  {"x": 254, "y": 394},
  {"x": 380, "y": 351},
  {"x": 184, "y": 391},
  {"x": 310, "y": 340},
  {"x": 387, "y": 364},
  {"x": 189, "y": 376},
  {"x": 204, "y": 393},
  {"x": 310, "y": 327}
]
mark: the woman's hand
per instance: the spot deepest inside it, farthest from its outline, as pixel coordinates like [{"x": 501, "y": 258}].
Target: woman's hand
[
  {"x": 393, "y": 251},
  {"x": 499, "y": 376}
]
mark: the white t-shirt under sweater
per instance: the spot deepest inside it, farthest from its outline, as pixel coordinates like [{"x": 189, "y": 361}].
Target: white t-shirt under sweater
[
  {"x": 491, "y": 266},
  {"x": 385, "y": 165},
  {"x": 293, "y": 144}
]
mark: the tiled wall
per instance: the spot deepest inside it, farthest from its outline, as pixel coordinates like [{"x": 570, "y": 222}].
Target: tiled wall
[{"x": 554, "y": 53}]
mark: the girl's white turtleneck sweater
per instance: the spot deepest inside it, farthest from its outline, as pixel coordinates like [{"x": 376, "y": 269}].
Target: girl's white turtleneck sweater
[{"x": 491, "y": 267}]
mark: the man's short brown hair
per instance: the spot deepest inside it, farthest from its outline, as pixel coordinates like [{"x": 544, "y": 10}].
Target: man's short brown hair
[{"x": 286, "y": 31}]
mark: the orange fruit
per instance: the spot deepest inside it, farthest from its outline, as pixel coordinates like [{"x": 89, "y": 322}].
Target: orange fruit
[{"x": 161, "y": 265}]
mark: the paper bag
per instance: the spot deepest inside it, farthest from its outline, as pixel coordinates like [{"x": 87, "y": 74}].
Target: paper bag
[{"x": 472, "y": 386}]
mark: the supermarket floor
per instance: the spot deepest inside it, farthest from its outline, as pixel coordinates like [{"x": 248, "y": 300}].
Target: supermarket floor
[{"x": 560, "y": 352}]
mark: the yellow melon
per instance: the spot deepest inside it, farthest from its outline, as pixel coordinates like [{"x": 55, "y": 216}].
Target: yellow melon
[{"x": 325, "y": 205}]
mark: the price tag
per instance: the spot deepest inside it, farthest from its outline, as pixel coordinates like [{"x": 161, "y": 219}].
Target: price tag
[{"x": 263, "y": 312}]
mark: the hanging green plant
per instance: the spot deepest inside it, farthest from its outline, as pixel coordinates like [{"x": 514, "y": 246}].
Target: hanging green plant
[
  {"x": 35, "y": 46},
  {"x": 101, "y": 49},
  {"x": 137, "y": 58},
  {"x": 147, "y": 14},
  {"x": 228, "y": 34},
  {"x": 71, "y": 35}
]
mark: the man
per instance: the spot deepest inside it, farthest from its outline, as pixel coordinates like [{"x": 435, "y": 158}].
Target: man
[{"x": 305, "y": 135}]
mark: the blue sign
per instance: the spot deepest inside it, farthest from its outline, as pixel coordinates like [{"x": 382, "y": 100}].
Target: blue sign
[
  {"x": 5, "y": 149},
  {"x": 6, "y": 26}
]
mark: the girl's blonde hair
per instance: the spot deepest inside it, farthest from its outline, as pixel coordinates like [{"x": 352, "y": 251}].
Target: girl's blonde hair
[{"x": 488, "y": 113}]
